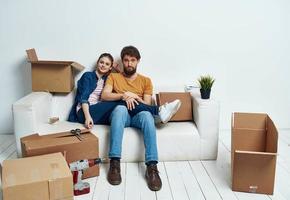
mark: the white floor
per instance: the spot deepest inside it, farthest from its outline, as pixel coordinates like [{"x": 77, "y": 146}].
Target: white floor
[{"x": 181, "y": 180}]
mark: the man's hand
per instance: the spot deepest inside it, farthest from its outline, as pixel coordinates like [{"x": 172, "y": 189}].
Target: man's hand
[
  {"x": 130, "y": 95},
  {"x": 89, "y": 123},
  {"x": 131, "y": 103}
]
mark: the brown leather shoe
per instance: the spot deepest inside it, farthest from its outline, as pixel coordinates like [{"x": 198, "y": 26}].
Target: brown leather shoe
[
  {"x": 114, "y": 174},
  {"x": 152, "y": 177}
]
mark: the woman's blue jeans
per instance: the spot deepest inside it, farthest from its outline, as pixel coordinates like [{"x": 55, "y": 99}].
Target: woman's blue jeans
[
  {"x": 102, "y": 111},
  {"x": 120, "y": 118}
]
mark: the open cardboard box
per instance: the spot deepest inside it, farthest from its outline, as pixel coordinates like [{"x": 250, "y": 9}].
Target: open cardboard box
[
  {"x": 52, "y": 76},
  {"x": 46, "y": 177},
  {"x": 69, "y": 145},
  {"x": 253, "y": 153}
]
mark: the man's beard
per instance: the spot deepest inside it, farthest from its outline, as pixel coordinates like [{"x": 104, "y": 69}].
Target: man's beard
[{"x": 130, "y": 72}]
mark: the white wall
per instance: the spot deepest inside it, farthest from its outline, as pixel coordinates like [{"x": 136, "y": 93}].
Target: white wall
[{"x": 244, "y": 44}]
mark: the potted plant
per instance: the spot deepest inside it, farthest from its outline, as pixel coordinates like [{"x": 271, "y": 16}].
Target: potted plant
[{"x": 205, "y": 83}]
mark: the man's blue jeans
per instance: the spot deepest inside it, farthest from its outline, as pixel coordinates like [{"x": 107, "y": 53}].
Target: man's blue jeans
[{"x": 144, "y": 121}]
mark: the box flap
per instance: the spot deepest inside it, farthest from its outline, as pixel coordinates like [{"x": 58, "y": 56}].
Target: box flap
[
  {"x": 35, "y": 142},
  {"x": 49, "y": 142},
  {"x": 60, "y": 189},
  {"x": 249, "y": 121},
  {"x": 255, "y": 153},
  {"x": 24, "y": 140},
  {"x": 32, "y": 57},
  {"x": 51, "y": 62},
  {"x": 248, "y": 140},
  {"x": 65, "y": 133},
  {"x": 77, "y": 66},
  {"x": 272, "y": 136},
  {"x": 30, "y": 137},
  {"x": 31, "y": 54}
]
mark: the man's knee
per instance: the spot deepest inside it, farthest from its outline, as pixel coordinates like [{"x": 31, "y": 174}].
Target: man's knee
[
  {"x": 122, "y": 110},
  {"x": 119, "y": 113}
]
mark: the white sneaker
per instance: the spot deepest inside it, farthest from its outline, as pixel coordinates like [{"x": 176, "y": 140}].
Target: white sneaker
[{"x": 167, "y": 110}]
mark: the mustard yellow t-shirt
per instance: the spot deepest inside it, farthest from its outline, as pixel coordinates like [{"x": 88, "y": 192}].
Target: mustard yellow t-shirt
[{"x": 141, "y": 85}]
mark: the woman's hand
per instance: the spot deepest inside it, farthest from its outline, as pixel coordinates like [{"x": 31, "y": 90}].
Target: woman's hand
[{"x": 89, "y": 123}]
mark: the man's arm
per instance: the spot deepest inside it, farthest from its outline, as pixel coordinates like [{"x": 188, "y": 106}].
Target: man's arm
[
  {"x": 108, "y": 94},
  {"x": 147, "y": 99}
]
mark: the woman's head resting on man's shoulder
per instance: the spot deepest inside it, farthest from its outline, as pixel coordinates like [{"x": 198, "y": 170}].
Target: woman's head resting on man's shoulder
[{"x": 105, "y": 63}]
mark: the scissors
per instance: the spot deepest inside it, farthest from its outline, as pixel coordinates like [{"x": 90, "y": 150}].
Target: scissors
[{"x": 77, "y": 132}]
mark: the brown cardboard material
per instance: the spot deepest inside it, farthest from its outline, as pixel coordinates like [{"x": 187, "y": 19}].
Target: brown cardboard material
[
  {"x": 72, "y": 148},
  {"x": 185, "y": 111},
  {"x": 52, "y": 76},
  {"x": 253, "y": 153},
  {"x": 44, "y": 177}
]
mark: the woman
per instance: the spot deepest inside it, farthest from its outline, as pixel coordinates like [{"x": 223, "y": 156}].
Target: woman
[{"x": 88, "y": 107}]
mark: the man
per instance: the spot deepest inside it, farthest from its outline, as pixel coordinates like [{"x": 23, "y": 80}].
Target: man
[{"x": 133, "y": 88}]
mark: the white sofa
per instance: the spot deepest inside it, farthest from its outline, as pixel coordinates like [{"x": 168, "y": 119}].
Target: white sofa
[{"x": 176, "y": 140}]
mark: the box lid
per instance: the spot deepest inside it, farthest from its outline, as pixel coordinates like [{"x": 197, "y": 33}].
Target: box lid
[
  {"x": 32, "y": 58},
  {"x": 56, "y": 139}
]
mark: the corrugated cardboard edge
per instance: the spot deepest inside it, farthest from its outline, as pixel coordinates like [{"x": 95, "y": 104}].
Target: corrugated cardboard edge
[
  {"x": 31, "y": 54},
  {"x": 23, "y": 142},
  {"x": 272, "y": 135},
  {"x": 32, "y": 57},
  {"x": 0, "y": 172},
  {"x": 77, "y": 66}
]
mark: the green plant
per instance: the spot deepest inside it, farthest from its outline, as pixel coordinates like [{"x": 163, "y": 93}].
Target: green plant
[{"x": 206, "y": 82}]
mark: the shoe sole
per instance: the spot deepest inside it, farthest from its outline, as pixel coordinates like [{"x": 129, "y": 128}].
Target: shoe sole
[
  {"x": 115, "y": 182},
  {"x": 173, "y": 113}
]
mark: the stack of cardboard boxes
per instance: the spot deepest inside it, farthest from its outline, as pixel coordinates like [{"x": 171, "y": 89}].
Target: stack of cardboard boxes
[
  {"x": 45, "y": 174},
  {"x": 70, "y": 146}
]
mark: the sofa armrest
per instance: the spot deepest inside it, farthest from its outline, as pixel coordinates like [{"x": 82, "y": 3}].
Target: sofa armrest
[
  {"x": 206, "y": 118},
  {"x": 28, "y": 113}
]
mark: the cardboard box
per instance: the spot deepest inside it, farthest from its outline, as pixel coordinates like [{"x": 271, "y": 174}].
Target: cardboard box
[
  {"x": 52, "y": 76},
  {"x": 46, "y": 177},
  {"x": 253, "y": 152},
  {"x": 72, "y": 148},
  {"x": 185, "y": 111}
]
